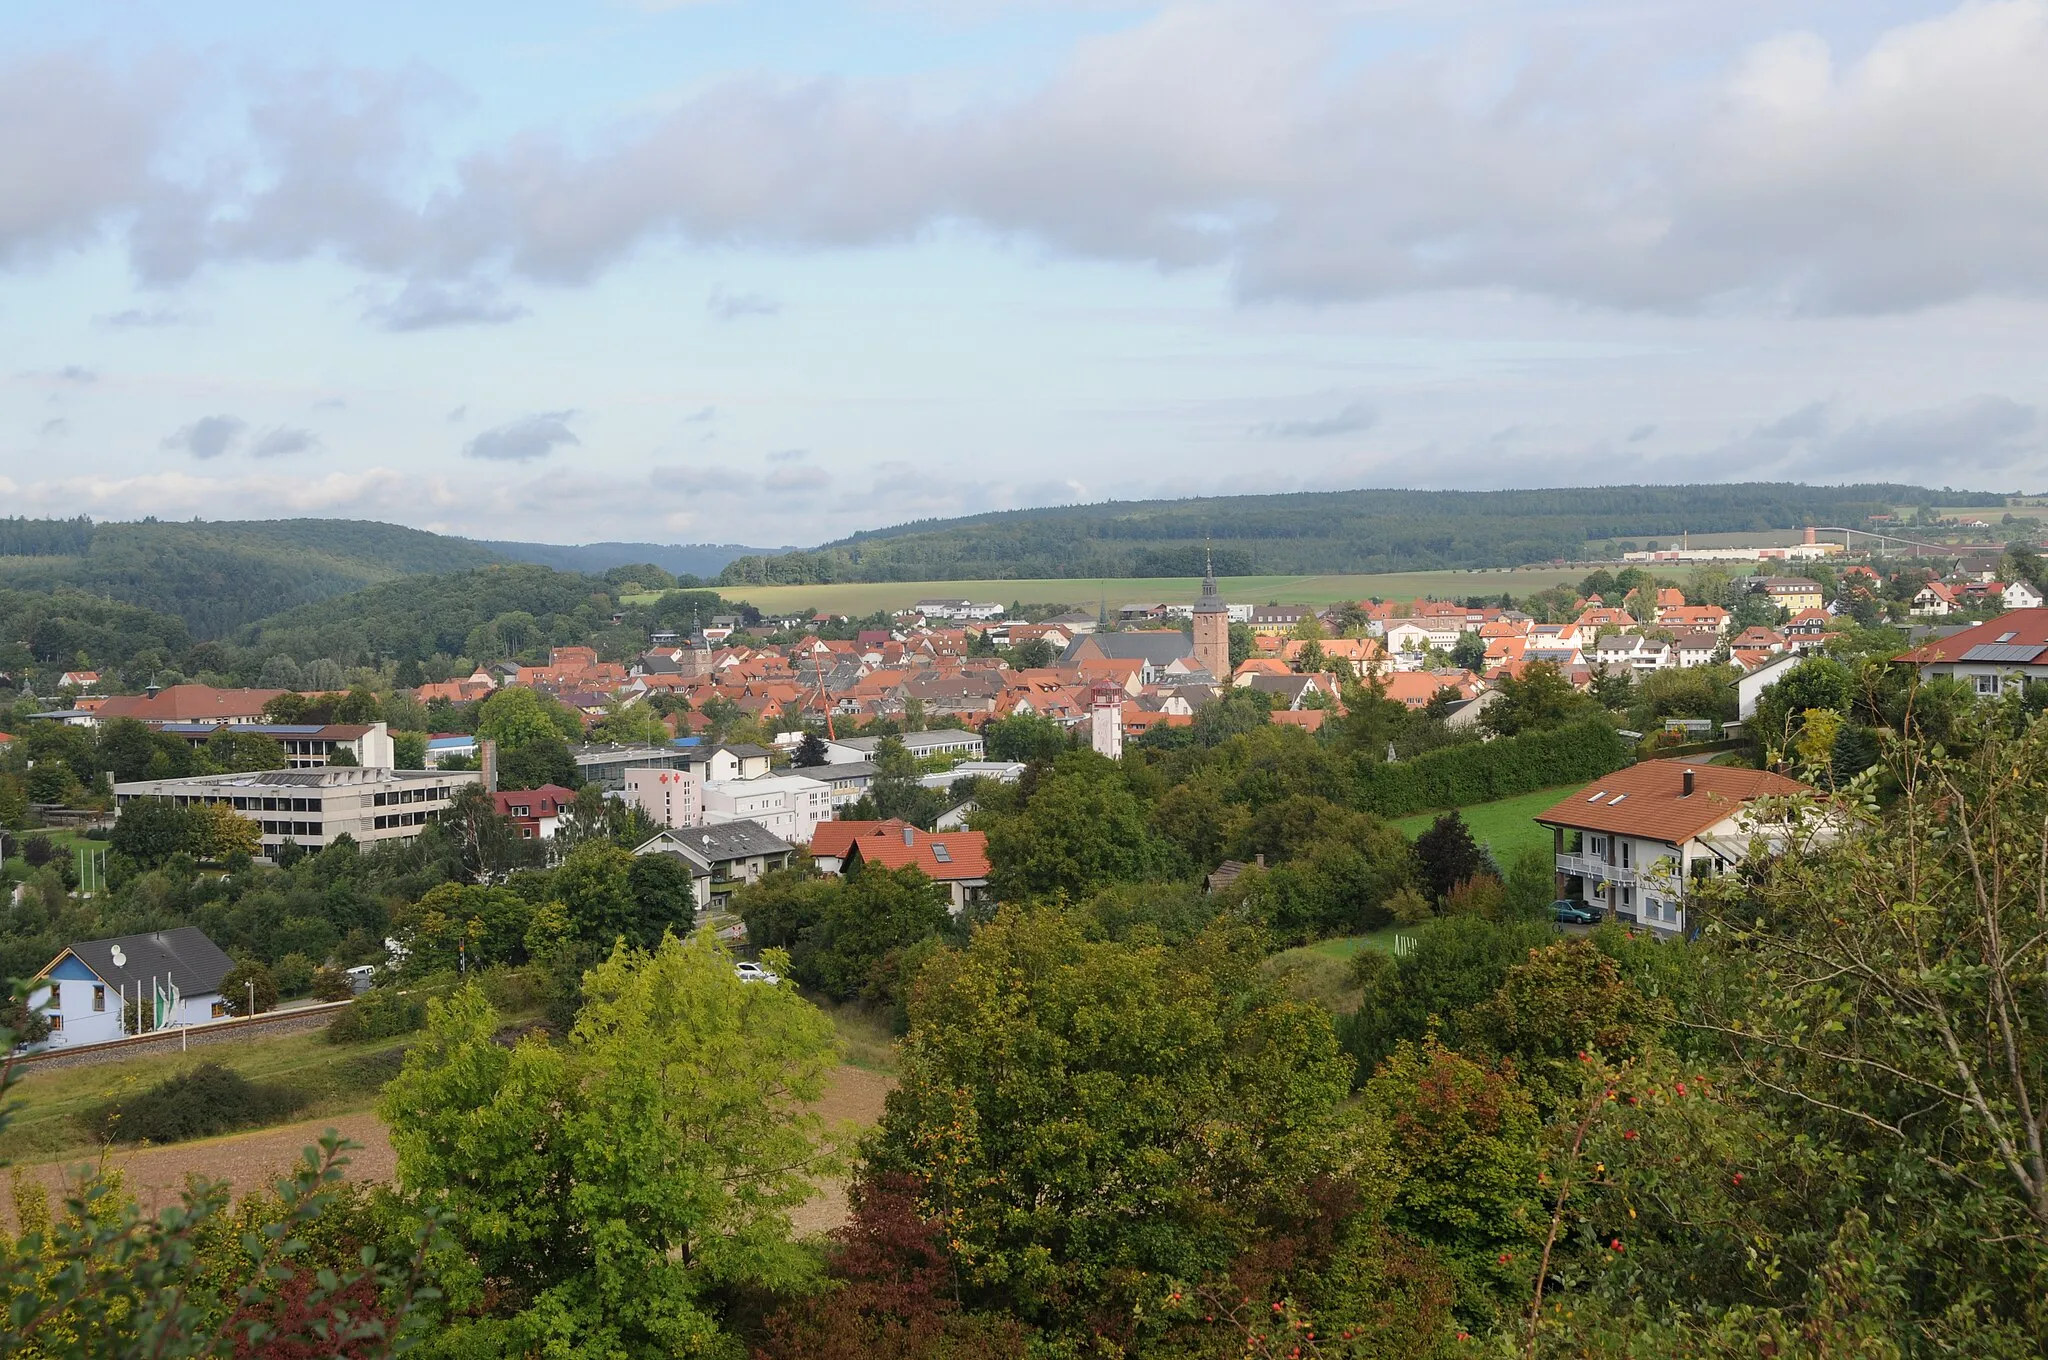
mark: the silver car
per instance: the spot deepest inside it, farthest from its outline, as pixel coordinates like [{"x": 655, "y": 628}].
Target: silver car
[{"x": 754, "y": 972}]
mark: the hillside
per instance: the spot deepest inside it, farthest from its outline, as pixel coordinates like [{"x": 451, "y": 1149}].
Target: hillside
[
  {"x": 220, "y": 575},
  {"x": 702, "y": 560},
  {"x": 1320, "y": 533}
]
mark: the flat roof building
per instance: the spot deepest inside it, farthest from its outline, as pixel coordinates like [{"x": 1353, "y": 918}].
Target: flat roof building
[{"x": 313, "y": 807}]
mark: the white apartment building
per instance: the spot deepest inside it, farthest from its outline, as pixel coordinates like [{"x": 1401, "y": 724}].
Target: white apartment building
[
  {"x": 668, "y": 797},
  {"x": 1633, "y": 840},
  {"x": 786, "y": 805},
  {"x": 313, "y": 807}
]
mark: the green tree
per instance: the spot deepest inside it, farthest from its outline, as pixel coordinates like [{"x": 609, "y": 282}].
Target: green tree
[
  {"x": 609, "y": 1192},
  {"x": 516, "y": 716},
  {"x": 1025, "y": 736},
  {"x": 1081, "y": 830},
  {"x": 864, "y": 926},
  {"x": 151, "y": 830},
  {"x": 1469, "y": 652},
  {"x": 409, "y": 750},
  {"x": 810, "y": 752},
  {"x": 664, "y": 898},
  {"x": 1539, "y": 699},
  {"x": 542, "y": 760},
  {"x": 245, "y": 980},
  {"x": 1447, "y": 854},
  {"x": 1244, "y": 645},
  {"x": 1092, "y": 1120}
]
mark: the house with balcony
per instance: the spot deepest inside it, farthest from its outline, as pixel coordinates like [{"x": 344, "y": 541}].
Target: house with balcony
[
  {"x": 722, "y": 858},
  {"x": 1635, "y": 840}
]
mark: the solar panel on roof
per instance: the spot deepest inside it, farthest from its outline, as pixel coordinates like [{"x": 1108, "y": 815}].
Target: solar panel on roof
[{"x": 2001, "y": 651}]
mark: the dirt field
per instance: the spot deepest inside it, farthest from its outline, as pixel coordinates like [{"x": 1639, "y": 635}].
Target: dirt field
[{"x": 155, "y": 1176}]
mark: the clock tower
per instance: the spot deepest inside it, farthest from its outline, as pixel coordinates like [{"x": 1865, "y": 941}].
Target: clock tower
[{"x": 1212, "y": 627}]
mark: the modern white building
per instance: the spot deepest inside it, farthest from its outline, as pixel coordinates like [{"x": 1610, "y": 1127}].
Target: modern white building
[
  {"x": 313, "y": 807},
  {"x": 173, "y": 977},
  {"x": 921, "y": 745},
  {"x": 668, "y": 797},
  {"x": 786, "y": 805},
  {"x": 308, "y": 746}
]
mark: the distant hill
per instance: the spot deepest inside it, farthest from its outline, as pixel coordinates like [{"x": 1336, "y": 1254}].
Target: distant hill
[
  {"x": 1316, "y": 533},
  {"x": 219, "y": 575},
  {"x": 702, "y": 560}
]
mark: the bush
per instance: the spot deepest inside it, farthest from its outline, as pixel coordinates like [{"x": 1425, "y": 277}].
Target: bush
[
  {"x": 1481, "y": 772},
  {"x": 378, "y": 1014},
  {"x": 235, "y": 988},
  {"x": 294, "y": 975},
  {"x": 38, "y": 851},
  {"x": 511, "y": 991},
  {"x": 332, "y": 984},
  {"x": 209, "y": 1099}
]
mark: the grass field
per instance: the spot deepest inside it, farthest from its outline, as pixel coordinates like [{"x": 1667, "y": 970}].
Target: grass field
[
  {"x": 866, "y": 597},
  {"x": 339, "y": 1077},
  {"x": 1503, "y": 827}
]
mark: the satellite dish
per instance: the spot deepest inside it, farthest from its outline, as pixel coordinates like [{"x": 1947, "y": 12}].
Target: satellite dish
[{"x": 120, "y": 959}]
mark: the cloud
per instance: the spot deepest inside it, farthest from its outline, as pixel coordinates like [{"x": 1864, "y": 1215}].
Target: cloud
[
  {"x": 77, "y": 138},
  {"x": 425, "y": 305},
  {"x": 75, "y": 373},
  {"x": 208, "y": 436},
  {"x": 1640, "y": 433},
  {"x": 1354, "y": 417},
  {"x": 1807, "y": 422},
  {"x": 282, "y": 440},
  {"x": 733, "y": 306},
  {"x": 524, "y": 439},
  {"x": 703, "y": 415},
  {"x": 144, "y": 318},
  {"x": 699, "y": 479},
  {"x": 797, "y": 478},
  {"x": 459, "y": 414},
  {"x": 787, "y": 455},
  {"x": 55, "y": 429}
]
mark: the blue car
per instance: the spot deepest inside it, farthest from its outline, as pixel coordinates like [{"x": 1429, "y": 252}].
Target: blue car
[{"x": 1574, "y": 913}]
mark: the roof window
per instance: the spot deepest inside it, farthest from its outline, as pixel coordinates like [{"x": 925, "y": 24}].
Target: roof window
[
  {"x": 2007, "y": 637},
  {"x": 1617, "y": 800},
  {"x": 941, "y": 853},
  {"x": 1597, "y": 796}
]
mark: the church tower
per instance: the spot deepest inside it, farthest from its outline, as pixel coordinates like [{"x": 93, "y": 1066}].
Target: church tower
[{"x": 1212, "y": 626}]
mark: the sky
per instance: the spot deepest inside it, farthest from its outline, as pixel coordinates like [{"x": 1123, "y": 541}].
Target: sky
[{"x": 775, "y": 271}]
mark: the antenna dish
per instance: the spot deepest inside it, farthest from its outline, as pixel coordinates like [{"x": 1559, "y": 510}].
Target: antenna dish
[{"x": 120, "y": 959}]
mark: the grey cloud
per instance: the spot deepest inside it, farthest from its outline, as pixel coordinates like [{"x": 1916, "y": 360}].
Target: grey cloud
[
  {"x": 797, "y": 477},
  {"x": 524, "y": 439},
  {"x": 732, "y": 306},
  {"x": 425, "y": 305},
  {"x": 283, "y": 440},
  {"x": 1982, "y": 433},
  {"x": 700, "y": 479},
  {"x": 1351, "y": 419},
  {"x": 1808, "y": 422},
  {"x": 459, "y": 414},
  {"x": 788, "y": 455},
  {"x": 76, "y": 373},
  {"x": 1237, "y": 133},
  {"x": 1640, "y": 433},
  {"x": 145, "y": 318},
  {"x": 701, "y": 416},
  {"x": 55, "y": 429},
  {"x": 208, "y": 436}
]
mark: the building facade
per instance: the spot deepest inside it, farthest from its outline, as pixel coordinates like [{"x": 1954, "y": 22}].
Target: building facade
[
  {"x": 1212, "y": 628},
  {"x": 668, "y": 797},
  {"x": 311, "y": 808},
  {"x": 787, "y": 805},
  {"x": 1635, "y": 839},
  {"x": 171, "y": 977}
]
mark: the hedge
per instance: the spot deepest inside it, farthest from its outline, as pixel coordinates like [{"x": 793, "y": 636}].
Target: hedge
[{"x": 1480, "y": 772}]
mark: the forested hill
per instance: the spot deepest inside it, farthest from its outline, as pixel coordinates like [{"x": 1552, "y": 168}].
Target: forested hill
[
  {"x": 1311, "y": 533},
  {"x": 218, "y": 576},
  {"x": 703, "y": 560}
]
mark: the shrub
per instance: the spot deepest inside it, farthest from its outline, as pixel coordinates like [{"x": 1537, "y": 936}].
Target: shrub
[
  {"x": 235, "y": 988},
  {"x": 332, "y": 984},
  {"x": 38, "y": 851},
  {"x": 378, "y": 1014},
  {"x": 294, "y": 975},
  {"x": 207, "y": 1100},
  {"x": 511, "y": 991},
  {"x": 1479, "y": 895},
  {"x": 1409, "y": 907},
  {"x": 1481, "y": 772}
]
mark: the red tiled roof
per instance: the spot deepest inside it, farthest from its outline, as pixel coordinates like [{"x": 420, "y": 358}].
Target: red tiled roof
[
  {"x": 2028, "y": 627},
  {"x": 190, "y": 703},
  {"x": 1652, "y": 802},
  {"x": 896, "y": 844}
]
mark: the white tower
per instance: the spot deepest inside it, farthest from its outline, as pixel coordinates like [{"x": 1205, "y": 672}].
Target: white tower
[{"x": 1108, "y": 719}]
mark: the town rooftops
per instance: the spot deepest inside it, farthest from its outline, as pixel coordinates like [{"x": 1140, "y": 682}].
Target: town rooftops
[
  {"x": 716, "y": 842},
  {"x": 1649, "y": 799},
  {"x": 2019, "y": 638},
  {"x": 189, "y": 703},
  {"x": 1153, "y": 648},
  {"x": 182, "y": 957}
]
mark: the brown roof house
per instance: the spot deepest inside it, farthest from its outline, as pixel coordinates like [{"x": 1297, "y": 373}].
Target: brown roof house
[{"x": 1636, "y": 839}]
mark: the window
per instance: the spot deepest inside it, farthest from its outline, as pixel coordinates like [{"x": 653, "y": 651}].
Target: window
[
  {"x": 99, "y": 996},
  {"x": 1627, "y": 853},
  {"x": 220, "y": 1008},
  {"x": 1599, "y": 846},
  {"x": 56, "y": 1023},
  {"x": 1987, "y": 684},
  {"x": 941, "y": 853},
  {"x": 56, "y": 994}
]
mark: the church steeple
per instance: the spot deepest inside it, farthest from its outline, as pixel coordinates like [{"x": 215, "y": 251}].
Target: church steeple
[{"x": 1212, "y": 599}]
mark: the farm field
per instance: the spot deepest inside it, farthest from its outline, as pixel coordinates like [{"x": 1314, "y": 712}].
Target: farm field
[
  {"x": 1503, "y": 827},
  {"x": 865, "y": 597}
]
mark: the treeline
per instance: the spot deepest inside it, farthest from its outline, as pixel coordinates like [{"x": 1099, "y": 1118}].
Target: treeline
[
  {"x": 1460, "y": 776},
  {"x": 218, "y": 577},
  {"x": 1321, "y": 532}
]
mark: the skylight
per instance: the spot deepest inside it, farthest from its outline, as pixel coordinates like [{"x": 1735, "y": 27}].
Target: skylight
[
  {"x": 2007, "y": 637},
  {"x": 1617, "y": 799},
  {"x": 941, "y": 853},
  {"x": 1598, "y": 796}
]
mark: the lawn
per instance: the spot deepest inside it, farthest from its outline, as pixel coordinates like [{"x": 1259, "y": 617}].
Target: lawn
[
  {"x": 1321, "y": 972},
  {"x": 339, "y": 1078},
  {"x": 859, "y": 598},
  {"x": 1504, "y": 827}
]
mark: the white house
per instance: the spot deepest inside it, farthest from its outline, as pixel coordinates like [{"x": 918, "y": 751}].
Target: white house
[
  {"x": 1993, "y": 657},
  {"x": 1750, "y": 687},
  {"x": 175, "y": 976},
  {"x": 1933, "y": 600},
  {"x": 1635, "y": 839},
  {"x": 2020, "y": 595}
]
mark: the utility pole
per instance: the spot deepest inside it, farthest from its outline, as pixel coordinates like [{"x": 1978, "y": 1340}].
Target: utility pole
[{"x": 251, "y": 985}]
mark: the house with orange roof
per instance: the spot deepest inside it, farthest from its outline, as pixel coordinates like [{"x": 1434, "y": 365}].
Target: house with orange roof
[
  {"x": 1261, "y": 665},
  {"x": 1694, "y": 616},
  {"x": 957, "y": 860},
  {"x": 1669, "y": 597},
  {"x": 1757, "y": 638},
  {"x": 1307, "y": 719},
  {"x": 1415, "y": 689},
  {"x": 1602, "y": 617}
]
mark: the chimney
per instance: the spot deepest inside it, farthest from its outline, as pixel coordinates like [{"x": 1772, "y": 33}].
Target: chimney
[
  {"x": 1688, "y": 784},
  {"x": 1261, "y": 860},
  {"x": 487, "y": 758}
]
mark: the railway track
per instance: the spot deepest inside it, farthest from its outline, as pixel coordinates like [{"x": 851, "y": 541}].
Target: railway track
[{"x": 183, "y": 1037}]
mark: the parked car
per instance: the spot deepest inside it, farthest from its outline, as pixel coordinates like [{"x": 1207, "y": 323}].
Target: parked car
[
  {"x": 361, "y": 976},
  {"x": 754, "y": 972},
  {"x": 1575, "y": 913}
]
